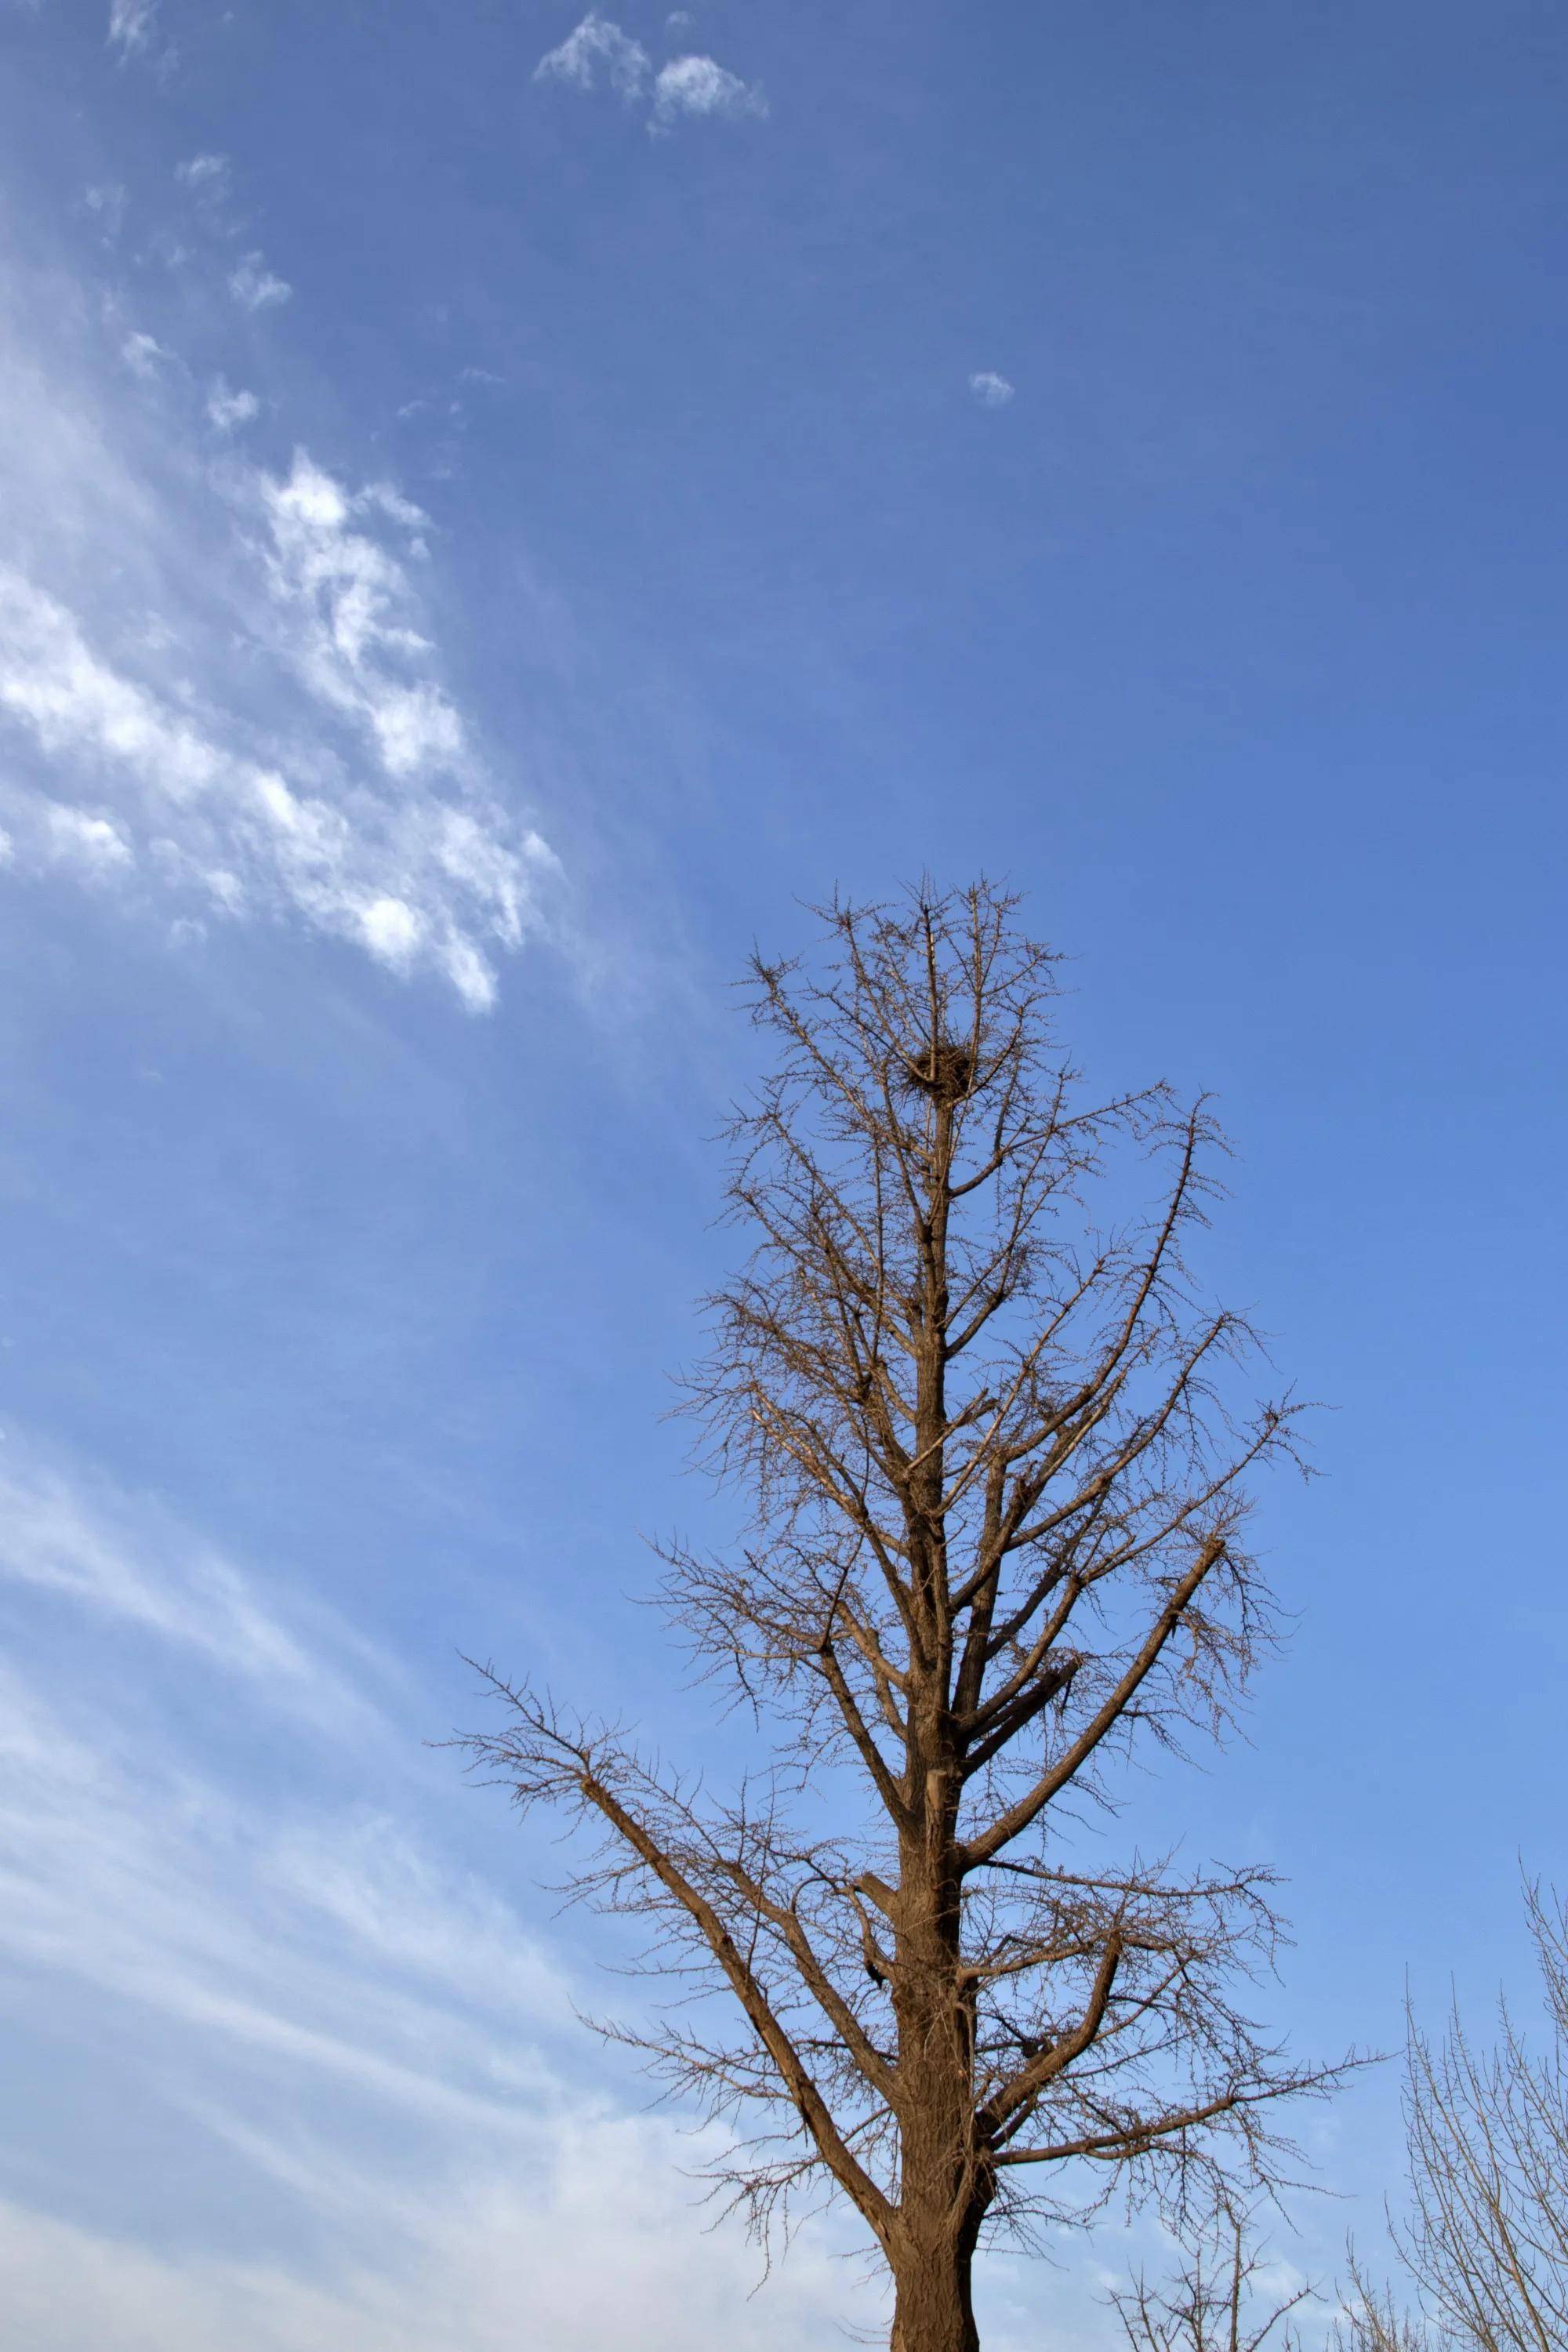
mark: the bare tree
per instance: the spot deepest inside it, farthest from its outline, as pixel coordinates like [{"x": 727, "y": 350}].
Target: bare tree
[
  {"x": 1214, "y": 2302},
  {"x": 1486, "y": 2235},
  {"x": 1372, "y": 2320},
  {"x": 997, "y": 1487}
]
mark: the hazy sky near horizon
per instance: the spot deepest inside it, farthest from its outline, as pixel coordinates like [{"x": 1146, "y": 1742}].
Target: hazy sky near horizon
[{"x": 497, "y": 508}]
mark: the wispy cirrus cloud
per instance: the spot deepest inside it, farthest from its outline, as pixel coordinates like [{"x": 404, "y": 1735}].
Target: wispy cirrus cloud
[
  {"x": 598, "y": 54},
  {"x": 93, "y": 846},
  {"x": 132, "y": 1564},
  {"x": 594, "y": 2239},
  {"x": 131, "y": 25},
  {"x": 401, "y": 857},
  {"x": 313, "y": 2007},
  {"x": 222, "y": 689},
  {"x": 256, "y": 288},
  {"x": 227, "y": 409},
  {"x": 205, "y": 175},
  {"x": 142, "y": 354},
  {"x": 205, "y": 182},
  {"x": 106, "y": 201},
  {"x": 143, "y": 1861}
]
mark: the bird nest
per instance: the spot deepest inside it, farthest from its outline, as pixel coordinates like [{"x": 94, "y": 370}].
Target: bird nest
[{"x": 944, "y": 1070}]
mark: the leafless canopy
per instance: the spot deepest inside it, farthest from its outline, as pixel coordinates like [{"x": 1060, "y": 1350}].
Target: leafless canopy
[
  {"x": 998, "y": 1476},
  {"x": 1486, "y": 2236},
  {"x": 1217, "y": 2301}
]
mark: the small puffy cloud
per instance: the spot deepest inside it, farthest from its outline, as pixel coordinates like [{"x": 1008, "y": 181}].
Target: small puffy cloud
[
  {"x": 107, "y": 205},
  {"x": 130, "y": 24},
  {"x": 392, "y": 929},
  {"x": 204, "y": 174},
  {"x": 699, "y": 86},
  {"x": 597, "y": 48},
  {"x": 598, "y": 52},
  {"x": 991, "y": 390},
  {"x": 255, "y": 287},
  {"x": 78, "y": 838},
  {"x": 143, "y": 355},
  {"x": 226, "y": 409},
  {"x": 207, "y": 183}
]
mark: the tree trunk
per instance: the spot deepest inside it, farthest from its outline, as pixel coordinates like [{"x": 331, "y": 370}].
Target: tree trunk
[{"x": 932, "y": 2307}]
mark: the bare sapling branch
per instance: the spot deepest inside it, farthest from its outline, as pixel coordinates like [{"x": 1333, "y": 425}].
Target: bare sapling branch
[{"x": 1226, "y": 2296}]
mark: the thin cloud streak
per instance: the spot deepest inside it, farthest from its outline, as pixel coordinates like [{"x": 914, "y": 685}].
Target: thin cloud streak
[
  {"x": 130, "y": 24},
  {"x": 324, "y": 2003},
  {"x": 594, "y": 2241},
  {"x": 138, "y": 1567},
  {"x": 308, "y": 1930}
]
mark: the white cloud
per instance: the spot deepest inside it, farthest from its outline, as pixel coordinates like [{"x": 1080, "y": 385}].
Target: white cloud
[
  {"x": 256, "y": 287},
  {"x": 144, "y": 1881},
  {"x": 595, "y": 2239},
  {"x": 307, "y": 1996},
  {"x": 352, "y": 616},
  {"x": 599, "y": 51},
  {"x": 596, "y": 46},
  {"x": 385, "y": 497},
  {"x": 142, "y": 355},
  {"x": 130, "y": 24},
  {"x": 222, "y": 698},
  {"x": 131, "y": 1565},
  {"x": 697, "y": 86},
  {"x": 403, "y": 850},
  {"x": 204, "y": 174},
  {"x": 392, "y": 930},
  {"x": 227, "y": 409},
  {"x": 107, "y": 201},
  {"x": 293, "y": 1938},
  {"x": 991, "y": 390},
  {"x": 81, "y": 839},
  {"x": 207, "y": 182}
]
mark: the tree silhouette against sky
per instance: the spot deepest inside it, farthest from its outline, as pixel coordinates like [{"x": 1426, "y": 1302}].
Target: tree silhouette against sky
[{"x": 997, "y": 1452}]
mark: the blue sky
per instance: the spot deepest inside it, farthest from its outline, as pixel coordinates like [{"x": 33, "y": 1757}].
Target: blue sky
[{"x": 498, "y": 507}]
